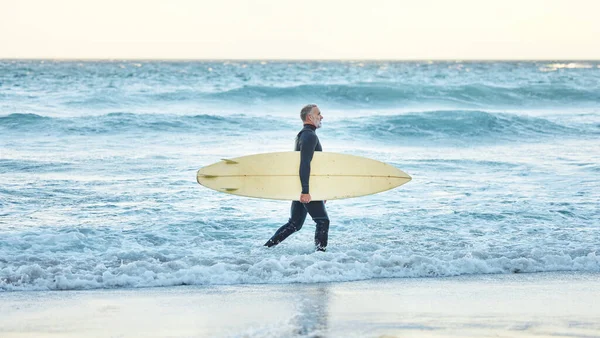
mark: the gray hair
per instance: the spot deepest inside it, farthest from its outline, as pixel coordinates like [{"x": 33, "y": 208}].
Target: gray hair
[{"x": 306, "y": 110}]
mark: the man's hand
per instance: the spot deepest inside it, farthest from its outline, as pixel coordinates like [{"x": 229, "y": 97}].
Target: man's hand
[{"x": 305, "y": 198}]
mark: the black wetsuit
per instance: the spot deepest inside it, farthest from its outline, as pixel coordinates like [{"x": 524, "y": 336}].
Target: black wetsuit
[{"x": 307, "y": 143}]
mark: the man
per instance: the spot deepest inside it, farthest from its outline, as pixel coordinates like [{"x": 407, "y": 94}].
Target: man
[{"x": 307, "y": 143}]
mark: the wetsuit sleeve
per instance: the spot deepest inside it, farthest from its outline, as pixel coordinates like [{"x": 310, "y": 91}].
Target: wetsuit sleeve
[{"x": 307, "y": 150}]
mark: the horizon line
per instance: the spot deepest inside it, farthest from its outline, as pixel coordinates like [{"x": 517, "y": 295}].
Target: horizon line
[{"x": 295, "y": 60}]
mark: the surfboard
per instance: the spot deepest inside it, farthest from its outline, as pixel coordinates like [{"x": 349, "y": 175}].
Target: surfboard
[{"x": 276, "y": 176}]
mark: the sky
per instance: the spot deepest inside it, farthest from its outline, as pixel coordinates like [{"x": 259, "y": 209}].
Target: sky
[{"x": 300, "y": 29}]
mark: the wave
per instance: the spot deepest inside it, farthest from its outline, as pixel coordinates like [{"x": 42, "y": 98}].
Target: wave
[
  {"x": 431, "y": 125},
  {"x": 392, "y": 94},
  {"x": 67, "y": 258},
  {"x": 359, "y": 95},
  {"x": 116, "y": 123},
  {"x": 135, "y": 269},
  {"x": 19, "y": 120},
  {"x": 468, "y": 125},
  {"x": 116, "y": 85}
]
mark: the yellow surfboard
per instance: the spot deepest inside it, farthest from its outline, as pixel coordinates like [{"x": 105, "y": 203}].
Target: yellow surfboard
[{"x": 275, "y": 176}]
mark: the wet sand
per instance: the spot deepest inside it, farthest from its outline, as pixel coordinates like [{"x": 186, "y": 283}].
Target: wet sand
[{"x": 518, "y": 305}]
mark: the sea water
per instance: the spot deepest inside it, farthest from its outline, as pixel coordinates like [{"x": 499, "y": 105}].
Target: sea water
[{"x": 98, "y": 164}]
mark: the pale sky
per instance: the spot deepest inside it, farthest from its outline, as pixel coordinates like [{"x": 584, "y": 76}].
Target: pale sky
[{"x": 300, "y": 29}]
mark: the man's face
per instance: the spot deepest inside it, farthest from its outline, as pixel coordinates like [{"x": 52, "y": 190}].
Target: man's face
[{"x": 316, "y": 117}]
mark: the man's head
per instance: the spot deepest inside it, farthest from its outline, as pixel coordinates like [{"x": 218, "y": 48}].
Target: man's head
[{"x": 311, "y": 114}]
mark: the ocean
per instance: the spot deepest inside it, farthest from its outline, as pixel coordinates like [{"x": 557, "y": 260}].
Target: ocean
[{"x": 98, "y": 162}]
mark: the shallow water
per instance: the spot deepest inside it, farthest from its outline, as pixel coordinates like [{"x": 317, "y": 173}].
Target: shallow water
[{"x": 98, "y": 162}]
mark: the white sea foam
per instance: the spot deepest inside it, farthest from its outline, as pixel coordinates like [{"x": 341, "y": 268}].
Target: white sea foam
[{"x": 260, "y": 266}]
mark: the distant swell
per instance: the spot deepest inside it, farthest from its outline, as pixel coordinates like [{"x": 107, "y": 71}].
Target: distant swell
[
  {"x": 116, "y": 123},
  {"x": 446, "y": 124},
  {"x": 353, "y": 95},
  {"x": 462, "y": 125},
  {"x": 21, "y": 120},
  {"x": 124, "y": 85},
  {"x": 391, "y": 94}
]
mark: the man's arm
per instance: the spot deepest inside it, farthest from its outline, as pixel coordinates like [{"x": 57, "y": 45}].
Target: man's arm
[{"x": 307, "y": 150}]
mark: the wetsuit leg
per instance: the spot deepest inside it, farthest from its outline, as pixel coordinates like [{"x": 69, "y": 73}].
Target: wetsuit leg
[
  {"x": 317, "y": 211},
  {"x": 297, "y": 217}
]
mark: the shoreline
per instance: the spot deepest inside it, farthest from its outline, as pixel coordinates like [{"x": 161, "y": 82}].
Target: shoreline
[{"x": 507, "y": 305}]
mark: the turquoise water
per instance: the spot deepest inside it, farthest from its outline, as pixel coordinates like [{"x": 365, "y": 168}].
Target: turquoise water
[{"x": 98, "y": 162}]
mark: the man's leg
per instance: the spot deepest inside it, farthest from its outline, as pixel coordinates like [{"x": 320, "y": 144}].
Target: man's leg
[
  {"x": 297, "y": 217},
  {"x": 317, "y": 211}
]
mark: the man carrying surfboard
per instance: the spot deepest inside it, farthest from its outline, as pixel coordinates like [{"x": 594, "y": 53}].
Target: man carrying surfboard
[{"x": 307, "y": 143}]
